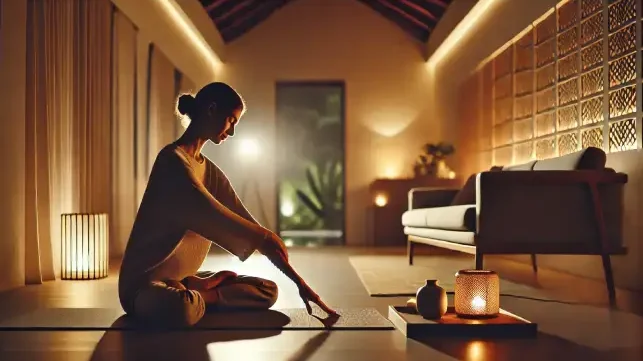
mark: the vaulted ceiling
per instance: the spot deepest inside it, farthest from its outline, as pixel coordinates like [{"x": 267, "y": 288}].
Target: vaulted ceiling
[{"x": 233, "y": 18}]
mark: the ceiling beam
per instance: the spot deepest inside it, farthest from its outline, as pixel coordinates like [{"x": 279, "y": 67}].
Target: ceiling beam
[
  {"x": 238, "y": 6},
  {"x": 412, "y": 26},
  {"x": 416, "y": 11},
  {"x": 221, "y": 7},
  {"x": 401, "y": 13},
  {"x": 440, "y": 3},
  {"x": 213, "y": 4},
  {"x": 244, "y": 23},
  {"x": 241, "y": 14}
]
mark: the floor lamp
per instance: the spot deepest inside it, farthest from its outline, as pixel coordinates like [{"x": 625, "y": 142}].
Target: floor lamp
[{"x": 249, "y": 154}]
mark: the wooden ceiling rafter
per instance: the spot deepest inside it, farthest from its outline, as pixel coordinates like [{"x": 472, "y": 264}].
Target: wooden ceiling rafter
[
  {"x": 420, "y": 9},
  {"x": 398, "y": 8},
  {"x": 243, "y": 23},
  {"x": 439, "y": 3},
  {"x": 234, "y": 18},
  {"x": 419, "y": 32}
]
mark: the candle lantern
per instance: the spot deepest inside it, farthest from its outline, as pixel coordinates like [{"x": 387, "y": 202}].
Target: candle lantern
[
  {"x": 477, "y": 293},
  {"x": 85, "y": 246}
]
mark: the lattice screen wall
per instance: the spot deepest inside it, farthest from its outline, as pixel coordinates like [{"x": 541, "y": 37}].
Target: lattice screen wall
[{"x": 569, "y": 81}]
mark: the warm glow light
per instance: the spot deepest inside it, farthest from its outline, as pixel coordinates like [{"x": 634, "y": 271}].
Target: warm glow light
[
  {"x": 477, "y": 293},
  {"x": 391, "y": 172},
  {"x": 451, "y": 175},
  {"x": 460, "y": 31},
  {"x": 287, "y": 208},
  {"x": 184, "y": 22},
  {"x": 390, "y": 122},
  {"x": 478, "y": 304},
  {"x": 85, "y": 246},
  {"x": 249, "y": 149},
  {"x": 381, "y": 200},
  {"x": 475, "y": 351}
]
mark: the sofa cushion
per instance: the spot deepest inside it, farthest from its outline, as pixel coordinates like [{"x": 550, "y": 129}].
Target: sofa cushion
[
  {"x": 467, "y": 195},
  {"x": 455, "y": 218},
  {"x": 587, "y": 159},
  {"x": 460, "y": 237},
  {"x": 524, "y": 166}
]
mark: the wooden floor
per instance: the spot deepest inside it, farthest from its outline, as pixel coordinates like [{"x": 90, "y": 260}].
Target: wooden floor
[{"x": 567, "y": 332}]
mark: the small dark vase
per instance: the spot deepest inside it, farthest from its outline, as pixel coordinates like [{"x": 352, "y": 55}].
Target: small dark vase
[{"x": 431, "y": 300}]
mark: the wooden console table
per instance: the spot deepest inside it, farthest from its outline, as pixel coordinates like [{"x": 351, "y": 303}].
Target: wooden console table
[{"x": 386, "y": 221}]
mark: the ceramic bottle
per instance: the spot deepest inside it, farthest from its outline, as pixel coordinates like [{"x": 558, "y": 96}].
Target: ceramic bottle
[{"x": 431, "y": 300}]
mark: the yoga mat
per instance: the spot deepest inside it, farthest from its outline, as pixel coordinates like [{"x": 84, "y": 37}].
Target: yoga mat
[
  {"x": 392, "y": 276},
  {"x": 84, "y": 319}
]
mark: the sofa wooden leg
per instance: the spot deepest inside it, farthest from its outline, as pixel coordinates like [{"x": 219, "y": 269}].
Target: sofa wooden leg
[
  {"x": 534, "y": 265},
  {"x": 410, "y": 246},
  {"x": 609, "y": 279},
  {"x": 479, "y": 260},
  {"x": 602, "y": 231}
]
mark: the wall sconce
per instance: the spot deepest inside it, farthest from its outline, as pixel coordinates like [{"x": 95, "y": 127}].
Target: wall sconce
[
  {"x": 380, "y": 200},
  {"x": 477, "y": 294},
  {"x": 85, "y": 246}
]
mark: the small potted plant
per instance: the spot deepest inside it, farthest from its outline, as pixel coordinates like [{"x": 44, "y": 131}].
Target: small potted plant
[{"x": 432, "y": 159}]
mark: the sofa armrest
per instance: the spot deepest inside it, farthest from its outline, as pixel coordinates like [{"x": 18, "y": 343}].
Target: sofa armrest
[
  {"x": 427, "y": 197},
  {"x": 554, "y": 207}
]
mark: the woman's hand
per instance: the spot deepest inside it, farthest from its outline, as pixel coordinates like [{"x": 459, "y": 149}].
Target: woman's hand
[{"x": 308, "y": 295}]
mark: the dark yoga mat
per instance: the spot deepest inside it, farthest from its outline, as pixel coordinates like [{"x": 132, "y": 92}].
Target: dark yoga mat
[{"x": 113, "y": 319}]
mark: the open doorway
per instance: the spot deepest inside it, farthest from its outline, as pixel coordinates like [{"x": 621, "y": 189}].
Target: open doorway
[{"x": 311, "y": 172}]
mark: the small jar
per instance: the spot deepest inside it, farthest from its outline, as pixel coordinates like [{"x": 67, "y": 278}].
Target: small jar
[{"x": 431, "y": 300}]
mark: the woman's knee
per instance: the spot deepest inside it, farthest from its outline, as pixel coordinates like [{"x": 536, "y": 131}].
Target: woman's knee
[
  {"x": 169, "y": 306},
  {"x": 270, "y": 291}
]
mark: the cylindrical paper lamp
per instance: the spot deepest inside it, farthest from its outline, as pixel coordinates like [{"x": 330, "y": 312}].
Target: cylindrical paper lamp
[
  {"x": 477, "y": 293},
  {"x": 85, "y": 246}
]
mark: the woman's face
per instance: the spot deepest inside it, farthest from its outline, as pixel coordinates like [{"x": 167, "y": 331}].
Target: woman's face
[{"x": 223, "y": 126}]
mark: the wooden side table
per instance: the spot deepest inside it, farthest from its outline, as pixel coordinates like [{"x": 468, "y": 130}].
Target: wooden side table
[{"x": 392, "y": 196}]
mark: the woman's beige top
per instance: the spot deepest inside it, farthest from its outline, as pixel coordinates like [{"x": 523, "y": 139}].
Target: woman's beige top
[{"x": 187, "y": 206}]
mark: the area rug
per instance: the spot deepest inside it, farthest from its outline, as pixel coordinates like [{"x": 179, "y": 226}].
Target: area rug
[
  {"x": 392, "y": 276},
  {"x": 114, "y": 319}
]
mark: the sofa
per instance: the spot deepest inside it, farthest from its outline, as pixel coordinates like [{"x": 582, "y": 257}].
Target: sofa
[{"x": 569, "y": 205}]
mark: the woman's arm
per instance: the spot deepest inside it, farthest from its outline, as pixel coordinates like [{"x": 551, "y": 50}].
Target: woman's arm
[
  {"x": 225, "y": 193},
  {"x": 186, "y": 203}
]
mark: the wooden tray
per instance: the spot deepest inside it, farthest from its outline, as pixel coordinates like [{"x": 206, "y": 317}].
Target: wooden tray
[{"x": 506, "y": 325}]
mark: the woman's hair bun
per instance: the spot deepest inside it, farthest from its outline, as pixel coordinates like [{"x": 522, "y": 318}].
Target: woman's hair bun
[{"x": 186, "y": 104}]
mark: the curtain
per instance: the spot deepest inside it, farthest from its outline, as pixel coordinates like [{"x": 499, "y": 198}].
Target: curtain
[
  {"x": 67, "y": 123},
  {"x": 161, "y": 116},
  {"x": 143, "y": 58},
  {"x": 124, "y": 112}
]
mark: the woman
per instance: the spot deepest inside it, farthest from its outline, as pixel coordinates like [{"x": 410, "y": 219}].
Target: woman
[{"x": 188, "y": 204}]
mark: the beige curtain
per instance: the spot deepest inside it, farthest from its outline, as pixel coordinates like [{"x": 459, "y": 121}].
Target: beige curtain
[
  {"x": 161, "y": 116},
  {"x": 143, "y": 49},
  {"x": 124, "y": 114},
  {"x": 67, "y": 122}
]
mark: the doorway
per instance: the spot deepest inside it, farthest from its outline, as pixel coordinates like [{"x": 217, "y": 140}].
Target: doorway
[{"x": 311, "y": 159}]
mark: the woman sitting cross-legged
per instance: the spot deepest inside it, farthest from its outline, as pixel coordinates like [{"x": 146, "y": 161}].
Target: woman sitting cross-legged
[{"x": 188, "y": 205}]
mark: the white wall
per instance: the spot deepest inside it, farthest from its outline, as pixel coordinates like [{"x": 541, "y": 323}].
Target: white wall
[
  {"x": 504, "y": 20},
  {"x": 153, "y": 21},
  {"x": 387, "y": 115},
  {"x": 12, "y": 142}
]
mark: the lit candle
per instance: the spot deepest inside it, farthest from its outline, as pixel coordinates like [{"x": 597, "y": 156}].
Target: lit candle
[
  {"x": 478, "y": 304},
  {"x": 477, "y": 293},
  {"x": 381, "y": 200}
]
